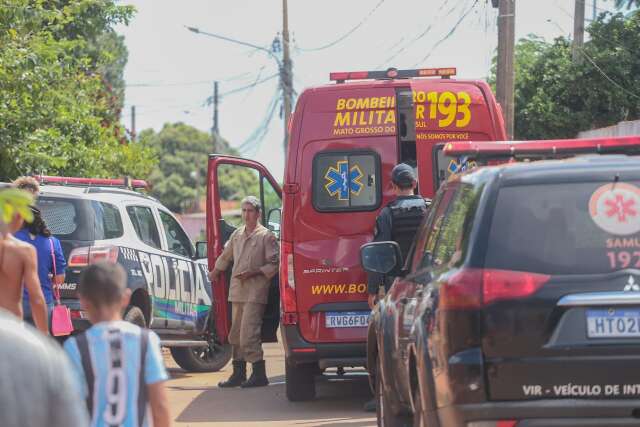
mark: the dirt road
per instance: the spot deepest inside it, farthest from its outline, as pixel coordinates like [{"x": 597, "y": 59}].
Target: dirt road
[{"x": 196, "y": 400}]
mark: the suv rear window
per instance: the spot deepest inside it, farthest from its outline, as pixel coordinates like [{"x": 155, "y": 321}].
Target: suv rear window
[
  {"x": 78, "y": 219},
  {"x": 61, "y": 216},
  {"x": 569, "y": 228}
]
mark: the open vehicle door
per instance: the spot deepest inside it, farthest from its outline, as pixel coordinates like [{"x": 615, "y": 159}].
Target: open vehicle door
[{"x": 229, "y": 180}]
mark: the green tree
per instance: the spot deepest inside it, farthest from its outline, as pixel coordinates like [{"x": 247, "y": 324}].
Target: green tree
[
  {"x": 56, "y": 117},
  {"x": 181, "y": 173},
  {"x": 556, "y": 97}
]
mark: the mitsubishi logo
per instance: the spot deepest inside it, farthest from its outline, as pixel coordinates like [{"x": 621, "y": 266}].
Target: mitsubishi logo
[{"x": 631, "y": 285}]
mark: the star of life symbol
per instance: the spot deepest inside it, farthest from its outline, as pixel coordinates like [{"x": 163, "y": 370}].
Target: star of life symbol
[
  {"x": 460, "y": 164},
  {"x": 631, "y": 285},
  {"x": 614, "y": 208},
  {"x": 621, "y": 208},
  {"x": 343, "y": 181}
]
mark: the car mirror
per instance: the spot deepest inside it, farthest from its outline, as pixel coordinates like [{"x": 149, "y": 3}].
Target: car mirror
[
  {"x": 201, "y": 250},
  {"x": 382, "y": 258},
  {"x": 273, "y": 221}
]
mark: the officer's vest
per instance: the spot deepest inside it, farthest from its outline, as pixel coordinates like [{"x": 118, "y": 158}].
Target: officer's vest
[{"x": 406, "y": 215}]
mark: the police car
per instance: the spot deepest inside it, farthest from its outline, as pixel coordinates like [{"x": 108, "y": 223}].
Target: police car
[{"x": 99, "y": 220}]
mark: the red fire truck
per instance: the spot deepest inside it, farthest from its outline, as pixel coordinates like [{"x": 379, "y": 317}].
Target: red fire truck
[{"x": 345, "y": 138}]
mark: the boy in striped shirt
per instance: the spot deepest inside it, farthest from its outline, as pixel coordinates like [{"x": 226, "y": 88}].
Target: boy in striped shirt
[{"x": 119, "y": 365}]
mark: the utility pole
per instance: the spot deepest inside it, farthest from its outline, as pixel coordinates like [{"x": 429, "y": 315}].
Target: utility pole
[
  {"x": 286, "y": 74},
  {"x": 595, "y": 9},
  {"x": 133, "y": 123},
  {"x": 578, "y": 30},
  {"x": 214, "y": 128},
  {"x": 505, "y": 78}
]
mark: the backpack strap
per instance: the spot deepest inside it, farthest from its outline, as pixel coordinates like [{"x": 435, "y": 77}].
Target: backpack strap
[
  {"x": 87, "y": 367},
  {"x": 142, "y": 386}
]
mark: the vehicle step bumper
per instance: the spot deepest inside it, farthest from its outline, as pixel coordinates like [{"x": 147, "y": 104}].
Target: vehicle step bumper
[{"x": 546, "y": 412}]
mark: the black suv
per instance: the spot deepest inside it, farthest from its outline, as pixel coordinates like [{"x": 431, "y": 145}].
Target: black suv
[
  {"x": 520, "y": 302},
  {"x": 171, "y": 291}
]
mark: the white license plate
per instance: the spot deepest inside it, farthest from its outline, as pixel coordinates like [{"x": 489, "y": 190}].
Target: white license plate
[
  {"x": 346, "y": 319},
  {"x": 613, "y": 323}
]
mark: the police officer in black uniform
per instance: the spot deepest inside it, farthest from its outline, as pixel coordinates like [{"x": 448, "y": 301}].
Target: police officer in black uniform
[{"x": 398, "y": 222}]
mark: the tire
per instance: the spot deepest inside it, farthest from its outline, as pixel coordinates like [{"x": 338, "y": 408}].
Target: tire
[
  {"x": 202, "y": 359},
  {"x": 134, "y": 315},
  {"x": 384, "y": 412},
  {"x": 300, "y": 383}
]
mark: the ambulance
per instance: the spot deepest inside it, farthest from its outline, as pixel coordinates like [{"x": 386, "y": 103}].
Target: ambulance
[{"x": 344, "y": 139}]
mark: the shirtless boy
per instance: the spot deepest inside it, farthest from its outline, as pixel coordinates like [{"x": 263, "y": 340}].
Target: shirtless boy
[{"x": 18, "y": 265}]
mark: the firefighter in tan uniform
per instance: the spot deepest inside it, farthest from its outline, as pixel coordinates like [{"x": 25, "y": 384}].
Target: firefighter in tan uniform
[{"x": 253, "y": 250}]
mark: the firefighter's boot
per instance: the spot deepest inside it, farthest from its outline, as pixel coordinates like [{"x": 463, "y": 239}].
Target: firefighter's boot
[
  {"x": 238, "y": 376},
  {"x": 258, "y": 376}
]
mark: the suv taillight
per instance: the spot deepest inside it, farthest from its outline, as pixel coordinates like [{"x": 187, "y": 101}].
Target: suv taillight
[
  {"x": 80, "y": 257},
  {"x": 473, "y": 287},
  {"x": 288, "y": 285}
]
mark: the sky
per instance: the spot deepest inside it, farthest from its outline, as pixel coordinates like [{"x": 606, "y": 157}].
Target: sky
[{"x": 171, "y": 70}]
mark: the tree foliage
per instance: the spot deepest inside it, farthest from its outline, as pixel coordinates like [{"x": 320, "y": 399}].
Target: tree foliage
[
  {"x": 60, "y": 73},
  {"x": 181, "y": 173},
  {"x": 556, "y": 97}
]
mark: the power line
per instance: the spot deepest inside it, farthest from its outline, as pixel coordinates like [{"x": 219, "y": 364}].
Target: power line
[
  {"x": 241, "y": 76},
  {"x": 249, "y": 86},
  {"x": 449, "y": 34},
  {"x": 419, "y": 36},
  {"x": 347, "y": 34},
  {"x": 606, "y": 76},
  {"x": 253, "y": 141},
  {"x": 168, "y": 84}
]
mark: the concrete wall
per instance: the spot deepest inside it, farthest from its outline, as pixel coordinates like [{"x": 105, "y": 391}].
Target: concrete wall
[{"x": 621, "y": 129}]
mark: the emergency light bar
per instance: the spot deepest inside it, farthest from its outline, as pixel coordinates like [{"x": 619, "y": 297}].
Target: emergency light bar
[
  {"x": 103, "y": 182},
  {"x": 392, "y": 73},
  {"x": 551, "y": 147}
]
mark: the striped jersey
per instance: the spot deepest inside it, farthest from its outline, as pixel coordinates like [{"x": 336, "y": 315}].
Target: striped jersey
[{"x": 121, "y": 360}]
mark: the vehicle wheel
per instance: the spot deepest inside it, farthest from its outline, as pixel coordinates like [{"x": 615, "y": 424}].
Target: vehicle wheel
[
  {"x": 384, "y": 412},
  {"x": 202, "y": 359},
  {"x": 134, "y": 315},
  {"x": 300, "y": 382}
]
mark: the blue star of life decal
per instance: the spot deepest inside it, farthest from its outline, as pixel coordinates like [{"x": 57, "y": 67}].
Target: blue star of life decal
[
  {"x": 341, "y": 181},
  {"x": 460, "y": 165}
]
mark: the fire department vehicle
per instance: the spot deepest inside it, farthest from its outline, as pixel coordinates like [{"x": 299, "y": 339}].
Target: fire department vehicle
[{"x": 345, "y": 138}]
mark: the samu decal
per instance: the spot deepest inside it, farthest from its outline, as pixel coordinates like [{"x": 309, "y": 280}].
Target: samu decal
[
  {"x": 342, "y": 181},
  {"x": 615, "y": 208}
]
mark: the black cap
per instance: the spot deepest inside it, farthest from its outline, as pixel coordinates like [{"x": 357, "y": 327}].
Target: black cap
[{"x": 402, "y": 175}]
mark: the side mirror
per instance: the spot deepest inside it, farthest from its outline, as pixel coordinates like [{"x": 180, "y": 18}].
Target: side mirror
[
  {"x": 201, "y": 250},
  {"x": 382, "y": 258},
  {"x": 426, "y": 259},
  {"x": 274, "y": 218}
]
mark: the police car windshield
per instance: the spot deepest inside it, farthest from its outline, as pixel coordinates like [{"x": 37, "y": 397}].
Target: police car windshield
[{"x": 570, "y": 228}]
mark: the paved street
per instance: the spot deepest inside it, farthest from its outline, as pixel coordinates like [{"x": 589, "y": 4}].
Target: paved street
[{"x": 197, "y": 401}]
